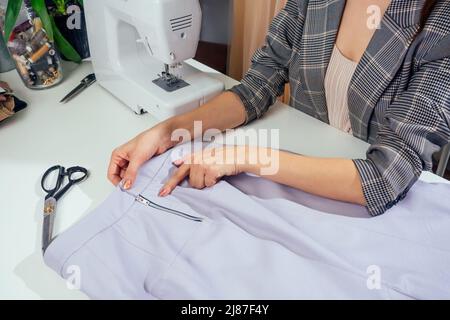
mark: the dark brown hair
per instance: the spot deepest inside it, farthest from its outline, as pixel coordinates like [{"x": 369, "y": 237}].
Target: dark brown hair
[{"x": 426, "y": 11}]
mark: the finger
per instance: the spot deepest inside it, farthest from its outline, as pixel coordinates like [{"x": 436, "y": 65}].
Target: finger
[
  {"x": 210, "y": 181},
  {"x": 197, "y": 177},
  {"x": 114, "y": 173},
  {"x": 178, "y": 162},
  {"x": 122, "y": 174},
  {"x": 187, "y": 159},
  {"x": 179, "y": 175},
  {"x": 116, "y": 164},
  {"x": 136, "y": 161}
]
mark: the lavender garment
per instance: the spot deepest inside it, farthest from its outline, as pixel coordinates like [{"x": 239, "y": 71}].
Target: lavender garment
[{"x": 257, "y": 240}]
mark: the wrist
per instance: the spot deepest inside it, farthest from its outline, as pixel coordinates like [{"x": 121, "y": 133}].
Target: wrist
[
  {"x": 165, "y": 130},
  {"x": 248, "y": 160}
]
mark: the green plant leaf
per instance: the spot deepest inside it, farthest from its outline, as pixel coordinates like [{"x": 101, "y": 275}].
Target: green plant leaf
[
  {"x": 12, "y": 12},
  {"x": 60, "y": 6},
  {"x": 64, "y": 47},
  {"x": 41, "y": 10}
]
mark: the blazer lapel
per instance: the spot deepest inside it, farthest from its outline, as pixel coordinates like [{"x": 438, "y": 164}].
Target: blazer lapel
[
  {"x": 318, "y": 40},
  {"x": 381, "y": 61}
]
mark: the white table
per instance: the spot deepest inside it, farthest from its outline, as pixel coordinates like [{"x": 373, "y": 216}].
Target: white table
[{"x": 84, "y": 132}]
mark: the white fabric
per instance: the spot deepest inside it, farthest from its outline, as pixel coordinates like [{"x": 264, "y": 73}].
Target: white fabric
[
  {"x": 337, "y": 81},
  {"x": 259, "y": 240}
]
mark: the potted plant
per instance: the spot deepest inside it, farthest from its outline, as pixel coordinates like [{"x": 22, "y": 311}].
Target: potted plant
[{"x": 70, "y": 20}]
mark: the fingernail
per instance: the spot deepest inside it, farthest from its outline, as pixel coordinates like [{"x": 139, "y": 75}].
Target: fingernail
[
  {"x": 127, "y": 185},
  {"x": 164, "y": 192},
  {"x": 178, "y": 162}
]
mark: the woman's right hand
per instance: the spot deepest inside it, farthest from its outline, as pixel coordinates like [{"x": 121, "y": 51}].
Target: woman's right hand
[
  {"x": 128, "y": 158},
  {"x": 223, "y": 112}
]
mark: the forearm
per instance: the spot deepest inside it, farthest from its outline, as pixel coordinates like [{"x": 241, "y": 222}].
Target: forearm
[
  {"x": 336, "y": 179},
  {"x": 226, "y": 111}
]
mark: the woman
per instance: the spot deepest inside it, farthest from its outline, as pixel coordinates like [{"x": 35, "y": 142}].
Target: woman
[{"x": 388, "y": 85}]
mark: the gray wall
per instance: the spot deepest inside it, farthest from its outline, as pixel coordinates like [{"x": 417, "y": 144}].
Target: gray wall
[{"x": 216, "y": 21}]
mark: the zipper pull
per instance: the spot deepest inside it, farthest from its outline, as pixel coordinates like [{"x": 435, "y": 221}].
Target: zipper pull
[{"x": 142, "y": 200}]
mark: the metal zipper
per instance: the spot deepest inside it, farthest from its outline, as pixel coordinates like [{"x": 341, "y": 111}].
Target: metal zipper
[{"x": 142, "y": 200}]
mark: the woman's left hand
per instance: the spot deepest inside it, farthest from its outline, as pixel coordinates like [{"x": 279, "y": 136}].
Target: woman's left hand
[{"x": 207, "y": 167}]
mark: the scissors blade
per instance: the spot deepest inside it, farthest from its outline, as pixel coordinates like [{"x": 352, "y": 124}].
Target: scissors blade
[
  {"x": 85, "y": 83},
  {"x": 73, "y": 93}
]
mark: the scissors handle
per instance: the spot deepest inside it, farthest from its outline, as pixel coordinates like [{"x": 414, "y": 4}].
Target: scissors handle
[
  {"x": 75, "y": 175},
  {"x": 59, "y": 180},
  {"x": 90, "y": 79}
]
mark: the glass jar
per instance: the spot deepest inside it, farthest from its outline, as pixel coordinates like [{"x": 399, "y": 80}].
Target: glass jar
[{"x": 37, "y": 61}]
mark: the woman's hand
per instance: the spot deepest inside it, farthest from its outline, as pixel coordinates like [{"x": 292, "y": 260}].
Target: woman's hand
[
  {"x": 223, "y": 112},
  {"x": 330, "y": 178},
  {"x": 128, "y": 158},
  {"x": 207, "y": 167}
]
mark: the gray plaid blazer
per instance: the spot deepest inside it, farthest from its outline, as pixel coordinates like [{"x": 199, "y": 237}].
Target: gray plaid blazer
[{"x": 399, "y": 97}]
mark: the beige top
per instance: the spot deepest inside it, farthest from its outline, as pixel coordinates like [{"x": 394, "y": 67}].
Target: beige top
[{"x": 337, "y": 81}]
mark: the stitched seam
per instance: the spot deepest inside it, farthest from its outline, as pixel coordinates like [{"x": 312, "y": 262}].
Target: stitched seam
[
  {"x": 116, "y": 228},
  {"x": 109, "y": 226},
  {"x": 84, "y": 244},
  {"x": 350, "y": 268},
  {"x": 163, "y": 276}
]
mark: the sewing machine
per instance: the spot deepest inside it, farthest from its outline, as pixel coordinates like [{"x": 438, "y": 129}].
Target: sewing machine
[{"x": 138, "y": 49}]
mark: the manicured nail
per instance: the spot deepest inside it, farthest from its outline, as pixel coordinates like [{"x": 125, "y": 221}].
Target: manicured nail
[
  {"x": 127, "y": 185},
  {"x": 164, "y": 192},
  {"x": 178, "y": 162}
]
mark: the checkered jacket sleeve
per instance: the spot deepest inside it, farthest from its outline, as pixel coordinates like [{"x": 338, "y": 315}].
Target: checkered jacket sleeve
[
  {"x": 265, "y": 80},
  {"x": 417, "y": 124}
]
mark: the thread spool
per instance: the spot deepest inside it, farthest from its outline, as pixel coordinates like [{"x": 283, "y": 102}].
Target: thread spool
[
  {"x": 37, "y": 22},
  {"x": 41, "y": 64},
  {"x": 17, "y": 46},
  {"x": 23, "y": 71},
  {"x": 22, "y": 60},
  {"x": 38, "y": 39},
  {"x": 39, "y": 53},
  {"x": 25, "y": 26}
]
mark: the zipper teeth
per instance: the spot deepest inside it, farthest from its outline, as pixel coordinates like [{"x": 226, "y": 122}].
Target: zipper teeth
[{"x": 151, "y": 204}]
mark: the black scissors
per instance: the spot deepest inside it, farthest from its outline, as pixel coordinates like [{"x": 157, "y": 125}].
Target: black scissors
[
  {"x": 75, "y": 175},
  {"x": 85, "y": 83}
]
